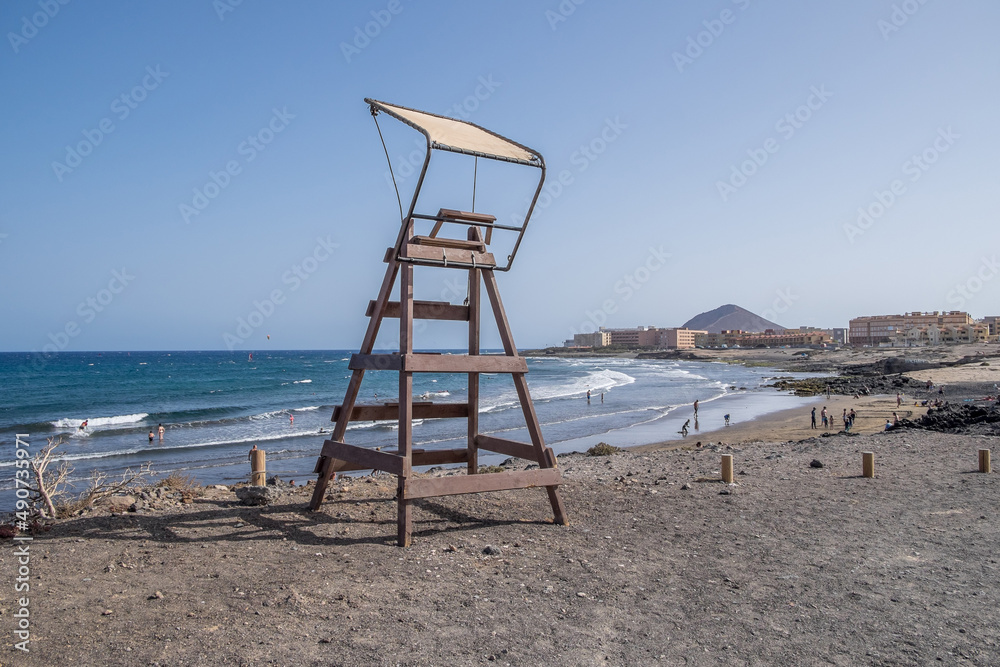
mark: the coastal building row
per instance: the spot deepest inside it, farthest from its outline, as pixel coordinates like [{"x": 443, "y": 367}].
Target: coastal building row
[
  {"x": 651, "y": 337},
  {"x": 680, "y": 338},
  {"x": 769, "y": 338},
  {"x": 921, "y": 328}
]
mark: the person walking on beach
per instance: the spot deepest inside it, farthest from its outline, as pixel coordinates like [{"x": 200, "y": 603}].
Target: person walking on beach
[
  {"x": 852, "y": 416},
  {"x": 696, "y": 408},
  {"x": 813, "y": 425},
  {"x": 684, "y": 429},
  {"x": 826, "y": 422},
  {"x": 588, "y": 396},
  {"x": 899, "y": 399},
  {"x": 847, "y": 421},
  {"x": 160, "y": 430}
]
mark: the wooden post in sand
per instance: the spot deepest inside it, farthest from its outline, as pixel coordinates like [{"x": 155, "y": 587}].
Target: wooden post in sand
[
  {"x": 984, "y": 461},
  {"x": 727, "y": 468},
  {"x": 257, "y": 467},
  {"x": 868, "y": 464}
]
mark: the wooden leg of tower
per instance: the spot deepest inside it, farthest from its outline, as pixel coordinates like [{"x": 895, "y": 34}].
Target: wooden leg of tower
[
  {"x": 404, "y": 515},
  {"x": 544, "y": 456},
  {"x": 404, "y": 519},
  {"x": 353, "y": 387},
  {"x": 546, "y": 459},
  {"x": 473, "y": 395}
]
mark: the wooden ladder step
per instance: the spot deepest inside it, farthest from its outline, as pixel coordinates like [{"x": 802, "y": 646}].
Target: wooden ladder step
[
  {"x": 507, "y": 447},
  {"x": 351, "y": 457},
  {"x": 439, "y": 363},
  {"x": 390, "y": 411},
  {"x": 425, "y": 310},
  {"x": 420, "y": 457},
  {"x": 428, "y": 487}
]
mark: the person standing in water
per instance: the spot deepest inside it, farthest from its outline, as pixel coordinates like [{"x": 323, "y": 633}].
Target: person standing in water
[
  {"x": 150, "y": 436},
  {"x": 160, "y": 430},
  {"x": 696, "y": 408}
]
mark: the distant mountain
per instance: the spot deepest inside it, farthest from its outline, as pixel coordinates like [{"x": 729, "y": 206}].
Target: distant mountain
[{"x": 730, "y": 317}]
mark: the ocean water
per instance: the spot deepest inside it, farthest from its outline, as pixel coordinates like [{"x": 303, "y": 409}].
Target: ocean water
[{"x": 216, "y": 405}]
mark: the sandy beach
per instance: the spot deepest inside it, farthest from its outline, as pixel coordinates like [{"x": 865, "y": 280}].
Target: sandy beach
[
  {"x": 794, "y": 424},
  {"x": 801, "y": 561}
]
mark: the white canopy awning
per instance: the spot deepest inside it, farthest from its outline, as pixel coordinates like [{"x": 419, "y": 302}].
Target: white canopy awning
[{"x": 460, "y": 136}]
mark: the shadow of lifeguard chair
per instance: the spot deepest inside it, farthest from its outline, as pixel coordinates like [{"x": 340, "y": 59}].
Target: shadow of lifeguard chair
[{"x": 472, "y": 255}]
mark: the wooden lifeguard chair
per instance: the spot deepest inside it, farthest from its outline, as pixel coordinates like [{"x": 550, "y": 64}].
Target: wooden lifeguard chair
[{"x": 472, "y": 255}]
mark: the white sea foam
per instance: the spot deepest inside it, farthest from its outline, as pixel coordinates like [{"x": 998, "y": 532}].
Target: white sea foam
[
  {"x": 595, "y": 381},
  {"x": 306, "y": 409},
  {"x": 267, "y": 415},
  {"x": 157, "y": 450},
  {"x": 302, "y": 381},
  {"x": 96, "y": 422},
  {"x": 435, "y": 394}
]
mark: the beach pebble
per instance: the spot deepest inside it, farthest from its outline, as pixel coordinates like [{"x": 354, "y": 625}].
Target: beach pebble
[
  {"x": 815, "y": 463},
  {"x": 685, "y": 486},
  {"x": 156, "y": 596},
  {"x": 491, "y": 550}
]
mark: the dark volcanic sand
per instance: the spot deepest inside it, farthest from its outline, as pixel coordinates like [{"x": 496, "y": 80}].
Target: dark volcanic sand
[{"x": 796, "y": 565}]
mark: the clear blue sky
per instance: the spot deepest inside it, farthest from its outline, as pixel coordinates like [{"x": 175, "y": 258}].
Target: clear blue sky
[{"x": 668, "y": 121}]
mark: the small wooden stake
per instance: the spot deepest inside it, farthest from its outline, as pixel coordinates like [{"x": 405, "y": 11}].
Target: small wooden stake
[
  {"x": 868, "y": 464},
  {"x": 727, "y": 468},
  {"x": 984, "y": 461},
  {"x": 258, "y": 467}
]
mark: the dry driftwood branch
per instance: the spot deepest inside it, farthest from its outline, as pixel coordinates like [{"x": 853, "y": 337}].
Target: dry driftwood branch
[
  {"x": 53, "y": 484},
  {"x": 48, "y": 485},
  {"x": 101, "y": 486}
]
